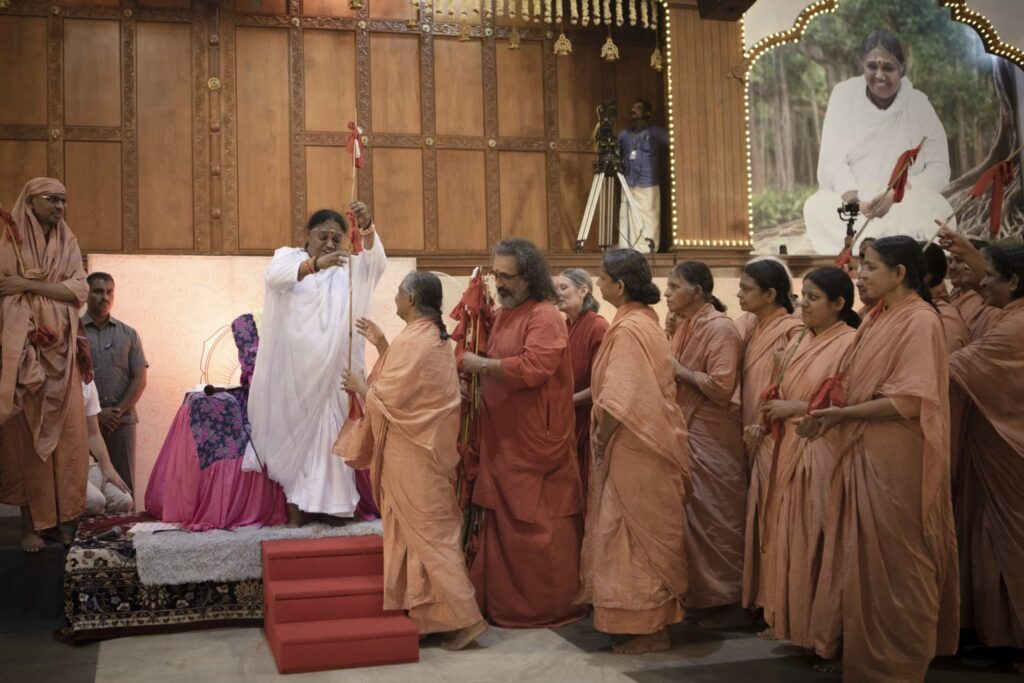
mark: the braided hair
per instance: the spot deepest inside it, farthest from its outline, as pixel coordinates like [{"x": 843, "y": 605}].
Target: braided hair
[{"x": 425, "y": 290}]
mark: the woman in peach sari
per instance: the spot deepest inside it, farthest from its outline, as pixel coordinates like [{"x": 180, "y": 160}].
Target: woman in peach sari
[
  {"x": 802, "y": 470},
  {"x": 889, "y": 567},
  {"x": 408, "y": 440},
  {"x": 765, "y": 294},
  {"x": 706, "y": 353},
  {"x": 634, "y": 560},
  {"x": 989, "y": 504}
]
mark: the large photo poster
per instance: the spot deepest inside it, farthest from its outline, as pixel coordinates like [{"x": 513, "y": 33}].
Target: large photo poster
[{"x": 831, "y": 114}]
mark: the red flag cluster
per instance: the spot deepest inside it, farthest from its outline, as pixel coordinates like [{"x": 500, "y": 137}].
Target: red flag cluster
[{"x": 998, "y": 177}]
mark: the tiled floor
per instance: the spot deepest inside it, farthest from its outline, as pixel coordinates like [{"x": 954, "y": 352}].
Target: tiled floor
[{"x": 575, "y": 653}]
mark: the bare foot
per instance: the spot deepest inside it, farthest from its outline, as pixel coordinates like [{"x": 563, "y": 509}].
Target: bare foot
[
  {"x": 32, "y": 542},
  {"x": 655, "y": 642},
  {"x": 465, "y": 636},
  {"x": 730, "y": 616},
  {"x": 768, "y": 634}
]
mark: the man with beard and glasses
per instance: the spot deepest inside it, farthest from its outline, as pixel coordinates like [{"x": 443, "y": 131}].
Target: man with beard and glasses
[{"x": 526, "y": 571}]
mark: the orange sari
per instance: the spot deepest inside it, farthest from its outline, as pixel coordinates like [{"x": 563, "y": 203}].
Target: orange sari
[
  {"x": 634, "y": 560},
  {"x": 798, "y": 495},
  {"x": 890, "y": 561},
  {"x": 990, "y": 507},
  {"x": 709, "y": 345},
  {"x": 763, "y": 342},
  {"x": 408, "y": 440}
]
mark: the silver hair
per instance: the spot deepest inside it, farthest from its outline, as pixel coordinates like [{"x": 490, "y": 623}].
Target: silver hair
[{"x": 581, "y": 278}]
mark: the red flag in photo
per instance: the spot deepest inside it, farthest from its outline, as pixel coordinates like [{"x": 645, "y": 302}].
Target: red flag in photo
[
  {"x": 898, "y": 179},
  {"x": 998, "y": 176}
]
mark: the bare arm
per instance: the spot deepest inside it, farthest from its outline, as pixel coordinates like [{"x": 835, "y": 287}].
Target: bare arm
[
  {"x": 99, "y": 451},
  {"x": 15, "y": 284}
]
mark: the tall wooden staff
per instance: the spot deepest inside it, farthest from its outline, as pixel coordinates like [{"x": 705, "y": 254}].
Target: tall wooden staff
[
  {"x": 354, "y": 145},
  {"x": 898, "y": 185}
]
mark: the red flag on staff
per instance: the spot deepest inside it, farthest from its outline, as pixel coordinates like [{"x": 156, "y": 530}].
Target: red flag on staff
[
  {"x": 355, "y": 144},
  {"x": 474, "y": 315},
  {"x": 10, "y": 225},
  {"x": 898, "y": 179},
  {"x": 998, "y": 176}
]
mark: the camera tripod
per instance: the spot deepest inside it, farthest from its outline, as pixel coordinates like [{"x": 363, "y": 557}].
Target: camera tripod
[{"x": 602, "y": 202}]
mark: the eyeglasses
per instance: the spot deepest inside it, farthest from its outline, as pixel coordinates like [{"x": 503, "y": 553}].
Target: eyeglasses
[
  {"x": 504, "y": 278},
  {"x": 54, "y": 199}
]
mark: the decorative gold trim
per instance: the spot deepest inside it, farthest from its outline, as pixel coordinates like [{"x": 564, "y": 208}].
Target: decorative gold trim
[
  {"x": 791, "y": 35},
  {"x": 986, "y": 31},
  {"x": 213, "y": 83}
]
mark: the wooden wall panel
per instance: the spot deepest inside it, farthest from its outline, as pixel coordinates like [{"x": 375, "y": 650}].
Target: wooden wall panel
[
  {"x": 23, "y": 74},
  {"x": 524, "y": 196},
  {"x": 261, "y": 6},
  {"x": 170, "y": 4},
  {"x": 92, "y": 72},
  {"x": 329, "y": 79},
  {"x": 635, "y": 78},
  {"x": 461, "y": 200},
  {"x": 390, "y": 9},
  {"x": 326, "y": 8},
  {"x": 264, "y": 204},
  {"x": 328, "y": 178},
  {"x": 164, "y": 86},
  {"x": 710, "y": 163},
  {"x": 93, "y": 178},
  {"x": 579, "y": 91},
  {"x": 521, "y": 90},
  {"x": 20, "y": 161},
  {"x": 398, "y": 193},
  {"x": 459, "y": 87},
  {"x": 395, "y": 83},
  {"x": 576, "y": 174}
]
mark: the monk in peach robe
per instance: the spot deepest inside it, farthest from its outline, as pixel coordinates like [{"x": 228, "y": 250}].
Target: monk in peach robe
[
  {"x": 765, "y": 293},
  {"x": 706, "y": 352},
  {"x": 526, "y": 570},
  {"x": 44, "y": 459},
  {"x": 957, "y": 334},
  {"x": 586, "y": 330},
  {"x": 976, "y": 313},
  {"x": 407, "y": 439},
  {"x": 634, "y": 560},
  {"x": 889, "y": 559},
  {"x": 797, "y": 497},
  {"x": 990, "y": 505}
]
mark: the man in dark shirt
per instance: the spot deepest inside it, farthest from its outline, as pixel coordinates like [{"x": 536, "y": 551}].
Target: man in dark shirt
[
  {"x": 120, "y": 367},
  {"x": 641, "y": 148}
]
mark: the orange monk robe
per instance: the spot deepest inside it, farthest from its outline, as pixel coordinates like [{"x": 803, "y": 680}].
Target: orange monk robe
[
  {"x": 526, "y": 571},
  {"x": 44, "y": 459},
  {"x": 763, "y": 344},
  {"x": 957, "y": 337},
  {"x": 634, "y": 561},
  {"x": 890, "y": 559},
  {"x": 585, "y": 335},
  {"x": 412, "y": 410},
  {"x": 709, "y": 345},
  {"x": 798, "y": 495},
  {"x": 976, "y": 313},
  {"x": 990, "y": 504}
]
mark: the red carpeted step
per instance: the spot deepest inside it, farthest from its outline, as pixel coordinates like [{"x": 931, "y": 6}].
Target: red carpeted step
[
  {"x": 343, "y": 643},
  {"x": 342, "y": 597},
  {"x": 318, "y": 558}
]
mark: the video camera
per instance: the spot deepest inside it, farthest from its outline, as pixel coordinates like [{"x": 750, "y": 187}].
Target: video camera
[{"x": 606, "y": 143}]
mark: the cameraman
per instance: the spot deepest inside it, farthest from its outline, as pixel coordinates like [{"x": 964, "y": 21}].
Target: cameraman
[{"x": 640, "y": 148}]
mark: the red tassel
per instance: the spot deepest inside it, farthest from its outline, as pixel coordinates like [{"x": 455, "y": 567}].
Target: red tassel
[
  {"x": 772, "y": 393},
  {"x": 9, "y": 220},
  {"x": 355, "y": 408},
  {"x": 43, "y": 337},
  {"x": 898, "y": 179},
  {"x": 355, "y": 238},
  {"x": 998, "y": 176},
  {"x": 830, "y": 393},
  {"x": 354, "y": 145},
  {"x": 844, "y": 259}
]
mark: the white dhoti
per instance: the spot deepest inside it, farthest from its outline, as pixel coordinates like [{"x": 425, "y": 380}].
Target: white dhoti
[
  {"x": 296, "y": 404},
  {"x": 915, "y": 217},
  {"x": 648, "y": 205}
]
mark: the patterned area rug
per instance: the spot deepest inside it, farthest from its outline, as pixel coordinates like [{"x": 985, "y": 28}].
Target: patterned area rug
[{"x": 104, "y": 596}]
